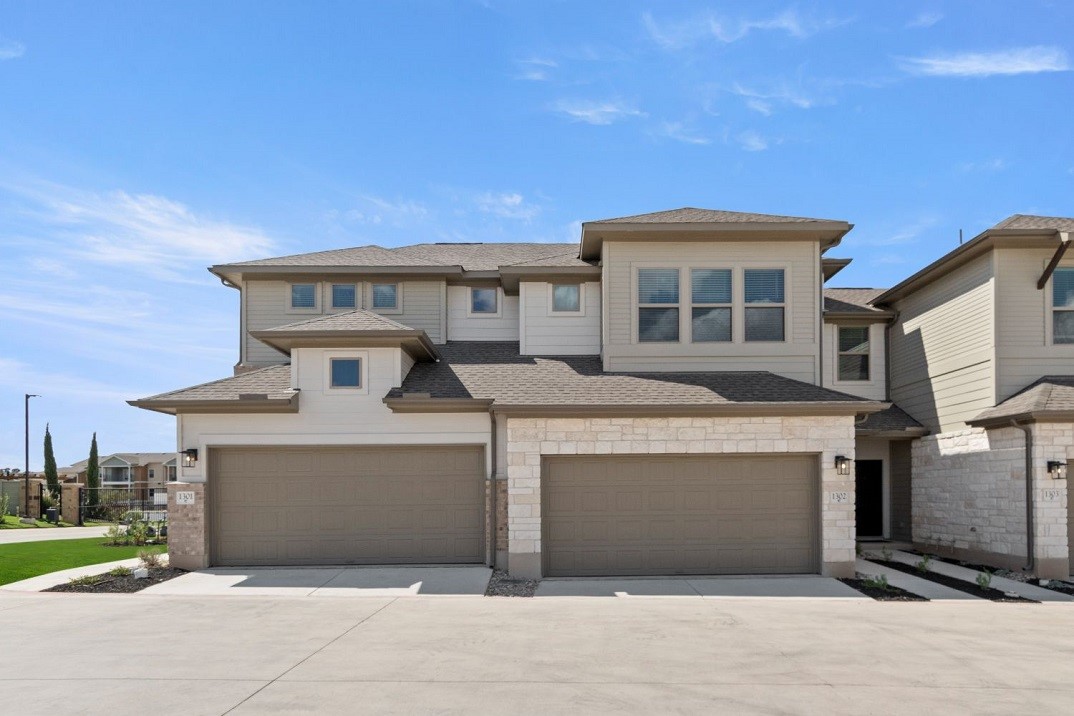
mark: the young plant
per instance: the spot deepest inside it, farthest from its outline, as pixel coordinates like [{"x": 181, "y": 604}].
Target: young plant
[
  {"x": 925, "y": 564},
  {"x": 116, "y": 536},
  {"x": 984, "y": 580},
  {"x": 879, "y": 581},
  {"x": 150, "y": 560},
  {"x": 87, "y": 580},
  {"x": 120, "y": 572},
  {"x": 885, "y": 553}
]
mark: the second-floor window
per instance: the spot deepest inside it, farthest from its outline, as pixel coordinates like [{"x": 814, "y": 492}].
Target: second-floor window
[
  {"x": 484, "y": 301},
  {"x": 658, "y": 305},
  {"x": 711, "y": 299},
  {"x": 566, "y": 298},
  {"x": 765, "y": 305},
  {"x": 385, "y": 295},
  {"x": 1063, "y": 305},
  {"x": 171, "y": 473},
  {"x": 346, "y": 372},
  {"x": 344, "y": 295},
  {"x": 853, "y": 353},
  {"x": 303, "y": 295}
]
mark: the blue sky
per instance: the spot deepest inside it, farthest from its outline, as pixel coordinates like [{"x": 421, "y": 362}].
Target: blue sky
[{"x": 141, "y": 142}]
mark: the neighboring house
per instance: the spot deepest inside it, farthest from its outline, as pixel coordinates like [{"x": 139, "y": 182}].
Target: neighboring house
[
  {"x": 982, "y": 354},
  {"x": 144, "y": 473},
  {"x": 677, "y": 394}
]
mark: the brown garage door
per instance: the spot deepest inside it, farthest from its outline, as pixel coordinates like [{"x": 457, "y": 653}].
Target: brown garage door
[
  {"x": 347, "y": 505},
  {"x": 679, "y": 514}
]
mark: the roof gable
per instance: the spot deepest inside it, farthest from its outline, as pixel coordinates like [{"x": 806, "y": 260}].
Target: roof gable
[{"x": 691, "y": 215}]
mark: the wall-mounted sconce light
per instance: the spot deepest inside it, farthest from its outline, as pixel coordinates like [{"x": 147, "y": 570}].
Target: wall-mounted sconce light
[
  {"x": 190, "y": 457},
  {"x": 1057, "y": 469},
  {"x": 842, "y": 464}
]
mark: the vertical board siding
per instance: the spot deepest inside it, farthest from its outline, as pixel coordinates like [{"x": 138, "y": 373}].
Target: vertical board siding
[
  {"x": 545, "y": 333},
  {"x": 463, "y": 327},
  {"x": 943, "y": 348},
  {"x": 899, "y": 489}
]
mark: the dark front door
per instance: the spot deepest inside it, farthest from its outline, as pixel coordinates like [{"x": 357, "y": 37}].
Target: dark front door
[{"x": 869, "y": 486}]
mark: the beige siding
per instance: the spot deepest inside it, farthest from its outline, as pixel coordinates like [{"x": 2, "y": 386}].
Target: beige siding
[
  {"x": 464, "y": 327},
  {"x": 267, "y": 305},
  {"x": 943, "y": 348},
  {"x": 546, "y": 333},
  {"x": 1023, "y": 322},
  {"x": 875, "y": 388},
  {"x": 796, "y": 358},
  {"x": 406, "y": 362}
]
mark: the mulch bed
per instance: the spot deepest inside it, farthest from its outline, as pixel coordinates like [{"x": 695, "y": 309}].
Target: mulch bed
[
  {"x": 1062, "y": 587},
  {"x": 1054, "y": 585},
  {"x": 971, "y": 588},
  {"x": 891, "y": 594},
  {"x": 109, "y": 584},
  {"x": 502, "y": 585}
]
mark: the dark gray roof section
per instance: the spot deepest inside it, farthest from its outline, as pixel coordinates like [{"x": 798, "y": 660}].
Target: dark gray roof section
[
  {"x": 1035, "y": 223},
  {"x": 274, "y": 382},
  {"x": 495, "y": 371},
  {"x": 470, "y": 257},
  {"x": 892, "y": 419},
  {"x": 851, "y": 300},
  {"x": 690, "y": 215},
  {"x": 1052, "y": 394},
  {"x": 357, "y": 320}
]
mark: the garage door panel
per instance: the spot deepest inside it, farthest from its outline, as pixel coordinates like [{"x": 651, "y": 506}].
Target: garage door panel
[
  {"x": 711, "y": 514},
  {"x": 347, "y": 505}
]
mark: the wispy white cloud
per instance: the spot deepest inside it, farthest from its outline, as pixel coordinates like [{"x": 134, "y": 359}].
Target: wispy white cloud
[
  {"x": 535, "y": 69},
  {"x": 595, "y": 111},
  {"x": 987, "y": 166},
  {"x": 925, "y": 19},
  {"x": 377, "y": 210},
  {"x": 140, "y": 232},
  {"x": 902, "y": 234},
  {"x": 507, "y": 205},
  {"x": 22, "y": 376},
  {"x": 751, "y": 141},
  {"x": 680, "y": 132},
  {"x": 11, "y": 50},
  {"x": 781, "y": 93},
  {"x": 1015, "y": 61},
  {"x": 679, "y": 34}
]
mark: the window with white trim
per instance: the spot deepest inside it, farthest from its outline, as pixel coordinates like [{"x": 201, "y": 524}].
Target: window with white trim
[
  {"x": 385, "y": 296},
  {"x": 1063, "y": 305},
  {"x": 853, "y": 353},
  {"x": 566, "y": 298},
  {"x": 303, "y": 295},
  {"x": 484, "y": 301},
  {"x": 346, "y": 372},
  {"x": 711, "y": 299},
  {"x": 344, "y": 295},
  {"x": 764, "y": 313},
  {"x": 658, "y": 305},
  {"x": 172, "y": 476}
]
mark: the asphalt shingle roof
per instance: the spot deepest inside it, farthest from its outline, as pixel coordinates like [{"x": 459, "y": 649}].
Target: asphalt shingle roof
[
  {"x": 890, "y": 419},
  {"x": 690, "y": 215},
  {"x": 1050, "y": 394},
  {"x": 1027, "y": 221},
  {"x": 357, "y": 320},
  {"x": 471, "y": 257},
  {"x": 496, "y": 371},
  {"x": 851, "y": 300},
  {"x": 275, "y": 381}
]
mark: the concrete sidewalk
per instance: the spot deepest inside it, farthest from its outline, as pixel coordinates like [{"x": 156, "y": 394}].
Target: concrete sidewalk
[
  {"x": 913, "y": 584},
  {"x": 1022, "y": 589},
  {"x": 700, "y": 587},
  {"x": 45, "y": 534},
  {"x": 196, "y": 656}
]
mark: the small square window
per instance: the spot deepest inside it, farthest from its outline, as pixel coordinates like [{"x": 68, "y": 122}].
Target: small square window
[
  {"x": 303, "y": 295},
  {"x": 344, "y": 295},
  {"x": 483, "y": 300},
  {"x": 566, "y": 298},
  {"x": 346, "y": 372},
  {"x": 385, "y": 295}
]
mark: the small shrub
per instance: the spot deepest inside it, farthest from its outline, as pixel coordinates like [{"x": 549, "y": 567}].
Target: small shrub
[
  {"x": 984, "y": 580},
  {"x": 925, "y": 564},
  {"x": 138, "y": 533},
  {"x": 5, "y": 504},
  {"x": 116, "y": 536},
  {"x": 132, "y": 516},
  {"x": 120, "y": 572},
  {"x": 885, "y": 553},
  {"x": 879, "y": 581},
  {"x": 150, "y": 560},
  {"x": 87, "y": 580}
]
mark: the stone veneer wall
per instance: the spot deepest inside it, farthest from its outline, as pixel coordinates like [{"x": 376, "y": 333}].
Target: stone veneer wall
[
  {"x": 188, "y": 534},
  {"x": 529, "y": 439},
  {"x": 969, "y": 496}
]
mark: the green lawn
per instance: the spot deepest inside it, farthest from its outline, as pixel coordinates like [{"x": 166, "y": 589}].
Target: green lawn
[
  {"x": 30, "y": 559},
  {"x": 11, "y": 522}
]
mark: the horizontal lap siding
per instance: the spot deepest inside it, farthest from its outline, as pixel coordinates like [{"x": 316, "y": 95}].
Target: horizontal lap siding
[
  {"x": 544, "y": 333},
  {"x": 942, "y": 348},
  {"x": 462, "y": 327}
]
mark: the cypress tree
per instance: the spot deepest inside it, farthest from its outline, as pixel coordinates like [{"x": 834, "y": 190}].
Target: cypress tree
[
  {"x": 93, "y": 475},
  {"x": 51, "y": 477}
]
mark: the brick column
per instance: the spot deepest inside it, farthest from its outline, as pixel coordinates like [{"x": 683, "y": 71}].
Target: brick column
[
  {"x": 69, "y": 507},
  {"x": 188, "y": 532}
]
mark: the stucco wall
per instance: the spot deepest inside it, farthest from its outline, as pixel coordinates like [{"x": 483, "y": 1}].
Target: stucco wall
[
  {"x": 969, "y": 496},
  {"x": 530, "y": 438}
]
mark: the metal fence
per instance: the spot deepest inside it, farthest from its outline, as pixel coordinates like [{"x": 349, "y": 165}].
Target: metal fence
[{"x": 112, "y": 503}]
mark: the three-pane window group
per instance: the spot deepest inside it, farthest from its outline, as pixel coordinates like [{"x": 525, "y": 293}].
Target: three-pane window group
[{"x": 345, "y": 295}]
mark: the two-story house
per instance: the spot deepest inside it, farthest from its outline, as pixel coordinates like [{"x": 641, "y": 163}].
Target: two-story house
[
  {"x": 675, "y": 394},
  {"x": 982, "y": 354}
]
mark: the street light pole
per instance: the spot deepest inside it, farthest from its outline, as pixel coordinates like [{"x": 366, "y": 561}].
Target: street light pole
[{"x": 26, "y": 475}]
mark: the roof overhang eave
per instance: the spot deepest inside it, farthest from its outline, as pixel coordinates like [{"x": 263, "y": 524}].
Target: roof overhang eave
[
  {"x": 870, "y": 316},
  {"x": 413, "y": 341},
  {"x": 692, "y": 410},
  {"x": 426, "y": 404},
  {"x": 1032, "y": 416},
  {"x": 512, "y": 276},
  {"x": 905, "y": 433},
  {"x": 256, "y": 405}
]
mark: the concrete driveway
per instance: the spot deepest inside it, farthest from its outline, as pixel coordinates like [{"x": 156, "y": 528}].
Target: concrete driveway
[
  {"x": 701, "y": 587},
  {"x": 102, "y": 654}
]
